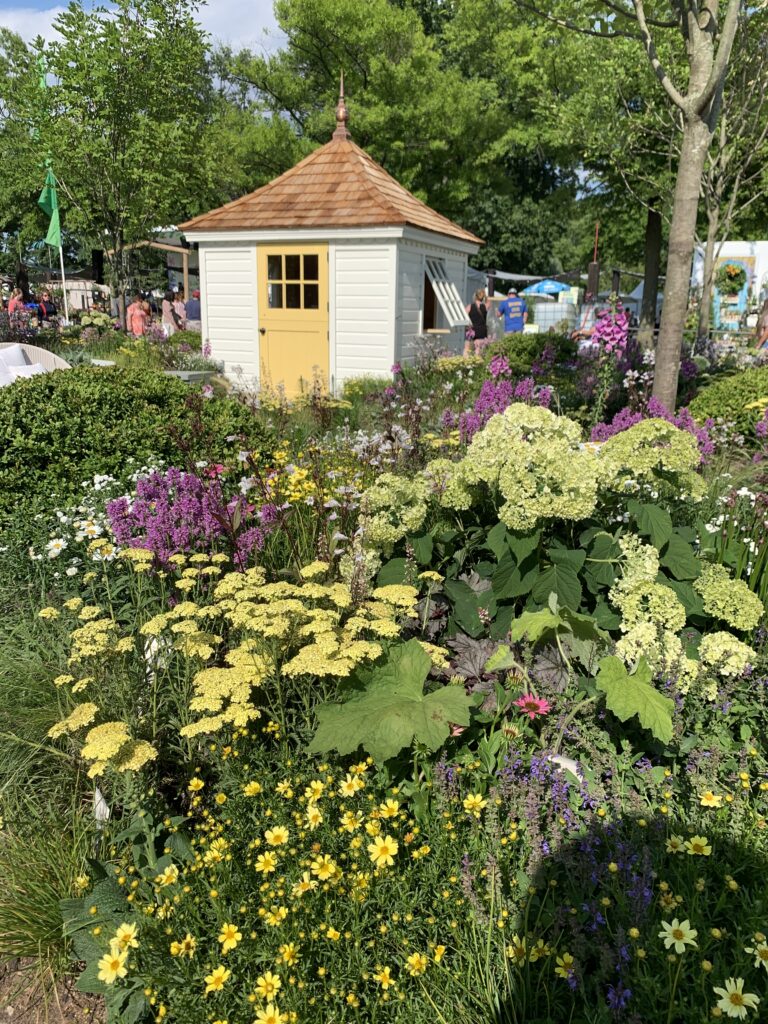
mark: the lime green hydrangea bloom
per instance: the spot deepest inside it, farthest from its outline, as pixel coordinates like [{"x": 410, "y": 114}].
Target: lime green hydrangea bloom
[
  {"x": 728, "y": 599},
  {"x": 653, "y": 456},
  {"x": 530, "y": 458},
  {"x": 393, "y": 507},
  {"x": 725, "y": 654}
]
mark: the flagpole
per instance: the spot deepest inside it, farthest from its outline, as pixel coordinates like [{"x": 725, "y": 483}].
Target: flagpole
[{"x": 64, "y": 287}]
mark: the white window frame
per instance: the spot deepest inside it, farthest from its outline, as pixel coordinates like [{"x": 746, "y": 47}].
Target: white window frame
[{"x": 446, "y": 292}]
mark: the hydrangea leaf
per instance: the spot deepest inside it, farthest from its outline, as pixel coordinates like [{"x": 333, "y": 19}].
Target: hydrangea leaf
[
  {"x": 392, "y": 711},
  {"x": 560, "y": 580},
  {"x": 633, "y": 695},
  {"x": 652, "y": 521},
  {"x": 680, "y": 559}
]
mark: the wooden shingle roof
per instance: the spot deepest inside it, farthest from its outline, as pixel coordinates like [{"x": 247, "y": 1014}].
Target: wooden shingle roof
[{"x": 336, "y": 186}]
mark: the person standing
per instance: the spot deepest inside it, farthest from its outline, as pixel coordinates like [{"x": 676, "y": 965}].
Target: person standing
[
  {"x": 46, "y": 306},
  {"x": 515, "y": 312},
  {"x": 181, "y": 309},
  {"x": 16, "y": 302},
  {"x": 193, "y": 312},
  {"x": 477, "y": 312},
  {"x": 136, "y": 317},
  {"x": 169, "y": 318}
]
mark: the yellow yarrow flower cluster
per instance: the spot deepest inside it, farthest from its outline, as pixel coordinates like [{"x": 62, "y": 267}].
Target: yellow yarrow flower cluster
[{"x": 110, "y": 744}]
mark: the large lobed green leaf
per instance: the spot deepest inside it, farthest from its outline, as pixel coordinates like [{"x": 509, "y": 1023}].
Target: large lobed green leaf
[
  {"x": 392, "y": 711},
  {"x": 629, "y": 695}
]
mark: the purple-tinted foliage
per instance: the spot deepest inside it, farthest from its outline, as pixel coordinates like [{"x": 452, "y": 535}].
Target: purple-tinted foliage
[
  {"x": 176, "y": 512},
  {"x": 626, "y": 418}
]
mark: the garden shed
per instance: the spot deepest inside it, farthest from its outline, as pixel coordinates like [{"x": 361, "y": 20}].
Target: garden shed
[{"x": 333, "y": 268}]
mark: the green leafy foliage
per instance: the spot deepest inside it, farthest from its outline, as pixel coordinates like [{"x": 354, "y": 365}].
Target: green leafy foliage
[
  {"x": 57, "y": 429},
  {"x": 633, "y": 695},
  {"x": 728, "y": 398},
  {"x": 391, "y": 710}
]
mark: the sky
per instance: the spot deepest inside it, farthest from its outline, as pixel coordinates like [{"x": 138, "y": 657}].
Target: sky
[{"x": 242, "y": 23}]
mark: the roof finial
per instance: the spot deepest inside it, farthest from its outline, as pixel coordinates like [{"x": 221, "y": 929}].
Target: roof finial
[{"x": 342, "y": 114}]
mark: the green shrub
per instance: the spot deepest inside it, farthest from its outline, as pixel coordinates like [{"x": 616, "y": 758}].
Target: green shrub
[
  {"x": 57, "y": 429},
  {"x": 729, "y": 397}
]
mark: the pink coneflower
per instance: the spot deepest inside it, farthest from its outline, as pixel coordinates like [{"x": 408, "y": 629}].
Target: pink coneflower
[{"x": 532, "y": 706}]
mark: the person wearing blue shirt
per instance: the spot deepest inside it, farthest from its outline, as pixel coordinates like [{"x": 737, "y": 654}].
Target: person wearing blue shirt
[{"x": 514, "y": 311}]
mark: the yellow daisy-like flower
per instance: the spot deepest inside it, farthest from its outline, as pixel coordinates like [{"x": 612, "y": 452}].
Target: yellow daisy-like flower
[
  {"x": 289, "y": 953},
  {"x": 195, "y": 785},
  {"x": 270, "y": 1015},
  {"x": 169, "y": 877},
  {"x": 675, "y": 844},
  {"x": 112, "y": 966},
  {"x": 711, "y": 800},
  {"x": 323, "y": 867},
  {"x": 276, "y": 836},
  {"x": 389, "y": 809},
  {"x": 304, "y": 885},
  {"x": 417, "y": 964},
  {"x": 384, "y": 978},
  {"x": 126, "y": 937},
  {"x": 517, "y": 950},
  {"x": 383, "y": 851},
  {"x": 314, "y": 816},
  {"x": 186, "y": 947},
  {"x": 734, "y": 1001},
  {"x": 216, "y": 980},
  {"x": 268, "y": 985},
  {"x": 474, "y": 803},
  {"x": 698, "y": 846},
  {"x": 229, "y": 936},
  {"x": 678, "y": 934},
  {"x": 760, "y": 953},
  {"x": 564, "y": 968},
  {"x": 265, "y": 863},
  {"x": 252, "y": 788}
]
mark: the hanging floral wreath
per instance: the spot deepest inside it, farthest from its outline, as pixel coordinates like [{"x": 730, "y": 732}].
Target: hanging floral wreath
[{"x": 730, "y": 278}]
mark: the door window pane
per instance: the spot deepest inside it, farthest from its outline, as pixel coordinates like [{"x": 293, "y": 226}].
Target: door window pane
[
  {"x": 310, "y": 270},
  {"x": 293, "y": 296},
  {"x": 275, "y": 268},
  {"x": 293, "y": 268},
  {"x": 311, "y": 296},
  {"x": 275, "y": 296}
]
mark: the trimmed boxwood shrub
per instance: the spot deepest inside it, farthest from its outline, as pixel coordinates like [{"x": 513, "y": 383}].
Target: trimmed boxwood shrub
[
  {"x": 726, "y": 399},
  {"x": 58, "y": 429}
]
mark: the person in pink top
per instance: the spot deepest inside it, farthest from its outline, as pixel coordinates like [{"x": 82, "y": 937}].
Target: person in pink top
[
  {"x": 136, "y": 318},
  {"x": 16, "y": 303}
]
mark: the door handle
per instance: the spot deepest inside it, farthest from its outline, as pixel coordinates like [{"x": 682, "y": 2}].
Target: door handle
[{"x": 262, "y": 330}]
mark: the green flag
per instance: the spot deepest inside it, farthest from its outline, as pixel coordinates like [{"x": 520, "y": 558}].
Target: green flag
[{"x": 49, "y": 201}]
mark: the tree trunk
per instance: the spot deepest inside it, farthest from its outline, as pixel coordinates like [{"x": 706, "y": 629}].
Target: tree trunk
[
  {"x": 651, "y": 278},
  {"x": 708, "y": 275},
  {"x": 693, "y": 153}
]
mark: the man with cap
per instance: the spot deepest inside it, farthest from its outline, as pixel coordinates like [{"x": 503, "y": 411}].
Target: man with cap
[
  {"x": 193, "y": 312},
  {"x": 514, "y": 311}
]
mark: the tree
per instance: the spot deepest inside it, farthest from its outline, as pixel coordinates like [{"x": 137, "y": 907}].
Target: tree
[
  {"x": 734, "y": 174},
  {"x": 705, "y": 40},
  {"x": 130, "y": 99}
]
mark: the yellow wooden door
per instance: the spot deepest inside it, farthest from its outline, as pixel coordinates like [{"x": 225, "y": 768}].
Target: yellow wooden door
[{"x": 293, "y": 316}]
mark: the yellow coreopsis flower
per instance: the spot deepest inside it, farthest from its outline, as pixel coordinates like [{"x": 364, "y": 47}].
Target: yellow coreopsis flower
[
  {"x": 384, "y": 978},
  {"x": 382, "y": 851},
  {"x": 564, "y": 968},
  {"x": 270, "y": 1015},
  {"x": 267, "y": 985},
  {"x": 711, "y": 800},
  {"x": 215, "y": 981},
  {"x": 229, "y": 936},
  {"x": 186, "y": 947},
  {"x": 276, "y": 836},
  {"x": 252, "y": 788},
  {"x": 265, "y": 863},
  {"x": 125, "y": 937},
  {"x": 675, "y": 844},
  {"x": 734, "y": 1001},
  {"x": 417, "y": 964},
  {"x": 698, "y": 846},
  {"x": 289, "y": 953},
  {"x": 112, "y": 966},
  {"x": 323, "y": 867},
  {"x": 474, "y": 803}
]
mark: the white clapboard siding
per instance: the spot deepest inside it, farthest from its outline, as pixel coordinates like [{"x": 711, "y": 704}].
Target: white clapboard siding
[
  {"x": 362, "y": 309},
  {"x": 230, "y": 309},
  {"x": 410, "y": 305}
]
